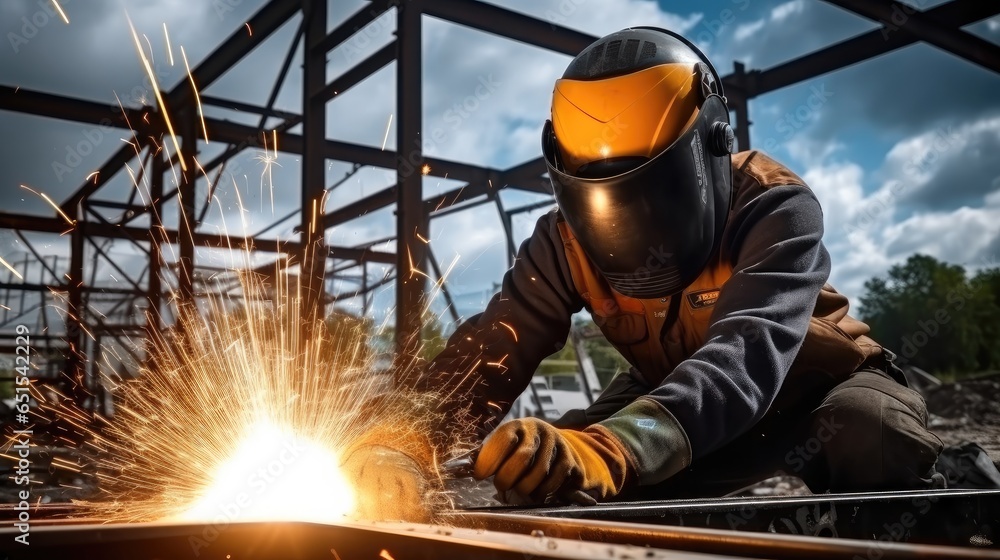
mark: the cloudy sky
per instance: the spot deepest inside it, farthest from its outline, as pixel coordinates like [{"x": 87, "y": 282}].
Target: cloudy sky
[{"x": 901, "y": 150}]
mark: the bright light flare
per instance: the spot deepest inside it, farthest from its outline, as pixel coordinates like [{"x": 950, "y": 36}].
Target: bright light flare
[
  {"x": 59, "y": 9},
  {"x": 13, "y": 270},
  {"x": 276, "y": 475},
  {"x": 170, "y": 51}
]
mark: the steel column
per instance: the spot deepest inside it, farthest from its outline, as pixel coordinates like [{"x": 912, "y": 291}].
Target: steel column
[
  {"x": 313, "y": 257},
  {"x": 411, "y": 220},
  {"x": 740, "y": 105},
  {"x": 75, "y": 317}
]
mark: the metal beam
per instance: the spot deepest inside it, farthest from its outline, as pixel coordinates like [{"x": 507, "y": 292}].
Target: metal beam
[
  {"x": 956, "y": 14},
  {"x": 528, "y": 176},
  {"x": 74, "y": 365},
  {"x": 360, "y": 72},
  {"x": 510, "y": 25},
  {"x": 362, "y": 255},
  {"x": 411, "y": 220},
  {"x": 313, "y": 258},
  {"x": 352, "y": 25},
  {"x": 234, "y": 133},
  {"x": 246, "y": 107},
  {"x": 240, "y": 43},
  {"x": 897, "y": 17},
  {"x": 355, "y": 153}
]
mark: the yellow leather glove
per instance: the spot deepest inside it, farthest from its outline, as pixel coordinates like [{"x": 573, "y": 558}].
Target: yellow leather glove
[
  {"x": 537, "y": 460},
  {"x": 390, "y": 476}
]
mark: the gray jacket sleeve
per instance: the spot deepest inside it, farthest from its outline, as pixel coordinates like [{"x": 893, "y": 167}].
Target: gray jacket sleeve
[
  {"x": 758, "y": 324},
  {"x": 491, "y": 357}
]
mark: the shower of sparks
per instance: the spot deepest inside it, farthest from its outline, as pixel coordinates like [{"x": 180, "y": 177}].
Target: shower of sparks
[
  {"x": 170, "y": 51},
  {"x": 13, "y": 270},
  {"x": 159, "y": 97},
  {"x": 46, "y": 198},
  {"x": 59, "y": 9},
  {"x": 242, "y": 409},
  {"x": 239, "y": 416},
  {"x": 197, "y": 96},
  {"x": 388, "y": 127}
]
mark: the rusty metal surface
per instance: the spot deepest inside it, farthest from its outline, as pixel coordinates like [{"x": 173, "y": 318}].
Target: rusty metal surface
[
  {"x": 302, "y": 541},
  {"x": 713, "y": 541},
  {"x": 945, "y": 517}
]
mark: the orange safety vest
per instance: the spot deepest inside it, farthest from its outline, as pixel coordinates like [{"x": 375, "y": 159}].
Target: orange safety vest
[{"x": 835, "y": 344}]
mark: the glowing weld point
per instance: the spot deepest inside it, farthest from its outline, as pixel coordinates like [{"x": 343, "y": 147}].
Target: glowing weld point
[
  {"x": 426, "y": 169},
  {"x": 276, "y": 475}
]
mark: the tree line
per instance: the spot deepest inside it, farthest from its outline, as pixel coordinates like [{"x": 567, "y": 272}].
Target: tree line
[{"x": 936, "y": 316}]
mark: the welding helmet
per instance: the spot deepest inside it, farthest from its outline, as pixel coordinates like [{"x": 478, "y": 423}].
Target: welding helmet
[{"x": 638, "y": 153}]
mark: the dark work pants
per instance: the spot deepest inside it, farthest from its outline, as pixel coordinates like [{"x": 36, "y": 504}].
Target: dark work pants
[{"x": 867, "y": 433}]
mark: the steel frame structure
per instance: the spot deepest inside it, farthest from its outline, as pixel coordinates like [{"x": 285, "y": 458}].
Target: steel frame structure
[{"x": 901, "y": 25}]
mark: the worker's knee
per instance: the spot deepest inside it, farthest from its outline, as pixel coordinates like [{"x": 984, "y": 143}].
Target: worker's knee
[{"x": 877, "y": 436}]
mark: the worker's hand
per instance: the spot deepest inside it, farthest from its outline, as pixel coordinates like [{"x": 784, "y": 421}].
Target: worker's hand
[
  {"x": 389, "y": 485},
  {"x": 536, "y": 460}
]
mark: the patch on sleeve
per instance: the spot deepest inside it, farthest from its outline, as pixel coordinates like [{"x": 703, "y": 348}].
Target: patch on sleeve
[{"x": 704, "y": 298}]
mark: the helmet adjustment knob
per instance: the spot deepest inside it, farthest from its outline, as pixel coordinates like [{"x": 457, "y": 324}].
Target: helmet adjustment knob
[{"x": 723, "y": 139}]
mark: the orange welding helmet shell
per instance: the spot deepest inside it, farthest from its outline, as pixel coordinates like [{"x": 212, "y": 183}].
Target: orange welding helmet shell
[
  {"x": 638, "y": 152},
  {"x": 631, "y": 117}
]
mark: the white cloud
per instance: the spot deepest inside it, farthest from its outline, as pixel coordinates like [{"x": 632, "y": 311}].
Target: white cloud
[
  {"x": 782, "y": 12},
  {"x": 864, "y": 231},
  {"x": 747, "y": 30}
]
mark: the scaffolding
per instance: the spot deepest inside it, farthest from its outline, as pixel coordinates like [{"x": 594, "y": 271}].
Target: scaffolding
[{"x": 99, "y": 315}]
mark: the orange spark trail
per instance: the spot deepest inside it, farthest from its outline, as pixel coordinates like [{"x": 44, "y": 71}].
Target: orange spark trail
[
  {"x": 62, "y": 14},
  {"x": 170, "y": 51},
  {"x": 197, "y": 96},
  {"x": 156, "y": 90},
  {"x": 12, "y": 269},
  {"x": 52, "y": 204},
  {"x": 388, "y": 126}
]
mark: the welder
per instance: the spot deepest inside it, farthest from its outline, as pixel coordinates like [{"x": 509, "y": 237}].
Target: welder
[{"x": 706, "y": 269}]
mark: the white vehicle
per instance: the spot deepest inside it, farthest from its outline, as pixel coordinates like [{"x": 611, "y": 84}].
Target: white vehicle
[{"x": 556, "y": 394}]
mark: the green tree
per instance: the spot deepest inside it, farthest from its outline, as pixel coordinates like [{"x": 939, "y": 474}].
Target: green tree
[{"x": 932, "y": 315}]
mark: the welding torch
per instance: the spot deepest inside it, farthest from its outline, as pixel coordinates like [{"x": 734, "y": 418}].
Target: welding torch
[{"x": 462, "y": 467}]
